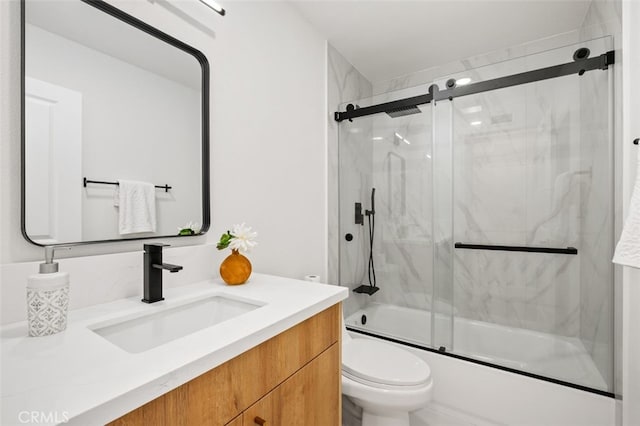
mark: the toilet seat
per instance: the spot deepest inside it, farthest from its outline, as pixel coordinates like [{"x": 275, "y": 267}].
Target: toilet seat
[{"x": 382, "y": 365}]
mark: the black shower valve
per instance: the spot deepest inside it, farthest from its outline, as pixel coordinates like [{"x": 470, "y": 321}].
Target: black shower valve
[{"x": 359, "y": 217}]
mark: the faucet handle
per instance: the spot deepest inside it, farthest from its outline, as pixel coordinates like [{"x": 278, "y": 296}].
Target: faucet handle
[{"x": 155, "y": 247}]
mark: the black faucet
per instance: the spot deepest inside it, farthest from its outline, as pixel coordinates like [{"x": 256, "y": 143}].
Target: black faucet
[{"x": 153, "y": 267}]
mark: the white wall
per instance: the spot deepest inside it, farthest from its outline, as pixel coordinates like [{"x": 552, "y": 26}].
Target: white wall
[{"x": 268, "y": 152}]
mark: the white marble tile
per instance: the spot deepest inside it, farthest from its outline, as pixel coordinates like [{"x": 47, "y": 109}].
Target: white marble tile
[
  {"x": 344, "y": 83},
  {"x": 349, "y": 175}
]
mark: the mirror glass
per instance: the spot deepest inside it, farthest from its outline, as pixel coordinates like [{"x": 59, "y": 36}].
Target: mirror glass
[{"x": 115, "y": 140}]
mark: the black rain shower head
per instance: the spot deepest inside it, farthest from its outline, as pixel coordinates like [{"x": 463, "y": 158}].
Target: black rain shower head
[{"x": 402, "y": 111}]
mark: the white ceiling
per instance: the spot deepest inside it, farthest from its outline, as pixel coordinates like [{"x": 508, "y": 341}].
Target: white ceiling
[{"x": 389, "y": 38}]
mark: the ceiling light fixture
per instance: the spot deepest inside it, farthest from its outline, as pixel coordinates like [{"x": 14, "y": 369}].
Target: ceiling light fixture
[
  {"x": 215, "y": 6},
  {"x": 377, "y": 138},
  {"x": 476, "y": 123},
  {"x": 463, "y": 81}
]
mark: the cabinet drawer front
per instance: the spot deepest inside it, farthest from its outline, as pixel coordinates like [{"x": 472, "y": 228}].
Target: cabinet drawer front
[
  {"x": 219, "y": 395},
  {"x": 311, "y": 397}
]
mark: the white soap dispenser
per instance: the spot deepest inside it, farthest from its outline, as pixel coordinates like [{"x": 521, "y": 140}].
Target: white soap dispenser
[{"x": 48, "y": 297}]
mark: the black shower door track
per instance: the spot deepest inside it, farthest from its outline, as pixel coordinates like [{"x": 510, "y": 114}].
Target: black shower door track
[
  {"x": 579, "y": 66},
  {"x": 443, "y": 351}
]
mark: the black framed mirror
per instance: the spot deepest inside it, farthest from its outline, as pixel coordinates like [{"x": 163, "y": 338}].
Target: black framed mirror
[{"x": 115, "y": 127}]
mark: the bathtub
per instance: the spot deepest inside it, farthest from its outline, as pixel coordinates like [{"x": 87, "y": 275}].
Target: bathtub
[{"x": 556, "y": 357}]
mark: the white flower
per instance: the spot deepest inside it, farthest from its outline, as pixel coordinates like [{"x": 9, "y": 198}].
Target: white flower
[{"x": 243, "y": 239}]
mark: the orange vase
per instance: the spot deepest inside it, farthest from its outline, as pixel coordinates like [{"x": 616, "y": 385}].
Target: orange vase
[{"x": 235, "y": 269}]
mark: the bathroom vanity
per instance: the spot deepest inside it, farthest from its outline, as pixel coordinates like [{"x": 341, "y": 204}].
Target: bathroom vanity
[
  {"x": 273, "y": 358},
  {"x": 292, "y": 378}
]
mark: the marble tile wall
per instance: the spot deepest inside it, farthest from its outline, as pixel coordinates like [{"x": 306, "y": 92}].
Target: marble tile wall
[
  {"x": 403, "y": 243},
  {"x": 512, "y": 290},
  {"x": 517, "y": 182},
  {"x": 399, "y": 154},
  {"x": 346, "y": 84}
]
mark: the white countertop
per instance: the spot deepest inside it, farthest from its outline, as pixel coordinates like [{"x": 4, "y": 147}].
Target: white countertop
[{"x": 79, "y": 377}]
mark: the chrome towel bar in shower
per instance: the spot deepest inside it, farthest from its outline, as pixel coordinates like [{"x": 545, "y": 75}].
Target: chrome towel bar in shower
[{"x": 568, "y": 250}]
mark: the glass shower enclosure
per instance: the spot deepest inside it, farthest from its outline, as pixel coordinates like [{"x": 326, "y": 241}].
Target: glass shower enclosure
[{"x": 489, "y": 234}]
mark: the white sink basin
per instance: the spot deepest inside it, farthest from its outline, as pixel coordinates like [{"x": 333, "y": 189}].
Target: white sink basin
[{"x": 146, "y": 332}]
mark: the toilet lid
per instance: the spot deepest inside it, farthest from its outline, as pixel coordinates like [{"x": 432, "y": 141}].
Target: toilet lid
[{"x": 380, "y": 362}]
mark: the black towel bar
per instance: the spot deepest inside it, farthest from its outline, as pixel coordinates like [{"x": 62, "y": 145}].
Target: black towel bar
[{"x": 85, "y": 181}]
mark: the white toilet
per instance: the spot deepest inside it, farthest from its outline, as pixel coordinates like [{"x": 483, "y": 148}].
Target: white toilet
[{"x": 386, "y": 381}]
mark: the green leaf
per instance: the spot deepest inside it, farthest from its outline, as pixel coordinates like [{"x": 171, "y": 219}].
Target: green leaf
[{"x": 225, "y": 239}]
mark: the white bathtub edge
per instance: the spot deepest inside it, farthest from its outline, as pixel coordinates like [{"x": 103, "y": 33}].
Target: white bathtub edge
[{"x": 501, "y": 397}]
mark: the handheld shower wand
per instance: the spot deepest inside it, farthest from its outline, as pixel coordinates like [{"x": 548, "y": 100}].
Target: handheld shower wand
[
  {"x": 371, "y": 214},
  {"x": 373, "y": 204}
]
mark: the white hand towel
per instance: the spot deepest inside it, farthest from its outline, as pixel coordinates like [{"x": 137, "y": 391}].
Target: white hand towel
[
  {"x": 628, "y": 248},
  {"x": 136, "y": 202}
]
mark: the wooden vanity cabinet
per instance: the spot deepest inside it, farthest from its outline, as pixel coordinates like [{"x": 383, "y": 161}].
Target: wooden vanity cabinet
[{"x": 292, "y": 379}]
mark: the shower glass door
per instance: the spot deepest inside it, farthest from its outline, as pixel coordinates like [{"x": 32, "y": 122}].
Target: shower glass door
[
  {"x": 393, "y": 154},
  {"x": 489, "y": 235},
  {"x": 532, "y": 221}
]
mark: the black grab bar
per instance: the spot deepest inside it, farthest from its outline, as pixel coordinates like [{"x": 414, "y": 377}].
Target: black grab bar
[{"x": 568, "y": 250}]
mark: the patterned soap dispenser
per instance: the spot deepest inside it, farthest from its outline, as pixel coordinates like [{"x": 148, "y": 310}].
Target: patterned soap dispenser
[{"x": 48, "y": 297}]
